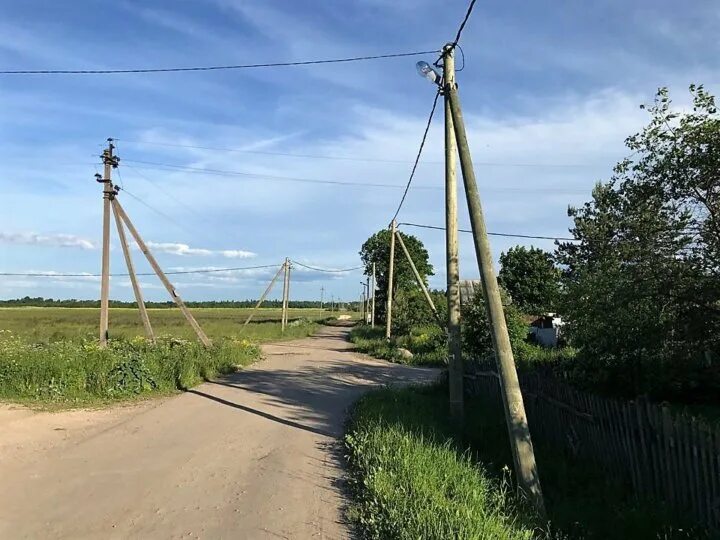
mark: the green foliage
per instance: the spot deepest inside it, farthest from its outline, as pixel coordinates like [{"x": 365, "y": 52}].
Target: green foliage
[
  {"x": 531, "y": 278},
  {"x": 82, "y": 372},
  {"x": 372, "y": 341},
  {"x": 476, "y": 336},
  {"x": 428, "y": 344},
  {"x": 409, "y": 467},
  {"x": 411, "y": 483},
  {"x": 376, "y": 249},
  {"x": 642, "y": 285},
  {"x": 411, "y": 309}
]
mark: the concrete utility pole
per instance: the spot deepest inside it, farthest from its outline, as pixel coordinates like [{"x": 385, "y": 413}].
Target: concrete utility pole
[
  {"x": 520, "y": 441},
  {"x": 286, "y": 295},
  {"x": 455, "y": 364},
  {"x": 322, "y": 295},
  {"x": 133, "y": 278},
  {"x": 419, "y": 279},
  {"x": 363, "y": 303},
  {"x": 110, "y": 162},
  {"x": 367, "y": 300},
  {"x": 262, "y": 298},
  {"x": 374, "y": 289},
  {"x": 160, "y": 274},
  {"x": 391, "y": 270}
]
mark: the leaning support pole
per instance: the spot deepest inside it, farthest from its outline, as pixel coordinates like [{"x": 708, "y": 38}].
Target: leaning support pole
[
  {"x": 262, "y": 298},
  {"x": 455, "y": 363},
  {"x": 391, "y": 271},
  {"x": 163, "y": 278},
  {"x": 520, "y": 441},
  {"x": 131, "y": 271},
  {"x": 418, "y": 278},
  {"x": 286, "y": 295}
]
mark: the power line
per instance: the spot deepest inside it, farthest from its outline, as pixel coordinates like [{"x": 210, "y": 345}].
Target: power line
[
  {"x": 493, "y": 233},
  {"x": 464, "y": 22},
  {"x": 157, "y": 211},
  {"x": 177, "y": 272},
  {"x": 220, "y": 172},
  {"x": 208, "y": 68},
  {"x": 350, "y": 158},
  {"x": 419, "y": 154},
  {"x": 329, "y": 270}
]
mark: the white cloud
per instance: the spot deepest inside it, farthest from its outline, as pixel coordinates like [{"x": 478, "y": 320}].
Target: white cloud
[
  {"x": 55, "y": 240},
  {"x": 174, "y": 248}
]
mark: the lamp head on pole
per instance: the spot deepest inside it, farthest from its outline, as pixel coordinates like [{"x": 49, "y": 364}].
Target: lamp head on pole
[{"x": 426, "y": 70}]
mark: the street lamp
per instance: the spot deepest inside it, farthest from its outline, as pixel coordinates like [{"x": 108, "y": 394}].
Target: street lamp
[{"x": 426, "y": 70}]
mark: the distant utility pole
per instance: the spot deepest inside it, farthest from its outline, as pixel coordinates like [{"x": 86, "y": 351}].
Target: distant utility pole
[
  {"x": 264, "y": 295},
  {"x": 322, "y": 294},
  {"x": 332, "y": 303},
  {"x": 391, "y": 269},
  {"x": 520, "y": 441},
  {"x": 374, "y": 289},
  {"x": 110, "y": 162},
  {"x": 455, "y": 364},
  {"x": 286, "y": 295}
]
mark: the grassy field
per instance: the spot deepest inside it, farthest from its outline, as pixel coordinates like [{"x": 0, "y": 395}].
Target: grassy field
[
  {"x": 50, "y": 356},
  {"x": 40, "y": 324}
]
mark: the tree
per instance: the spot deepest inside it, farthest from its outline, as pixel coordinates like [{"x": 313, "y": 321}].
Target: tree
[
  {"x": 642, "y": 284},
  {"x": 376, "y": 249},
  {"x": 531, "y": 278}
]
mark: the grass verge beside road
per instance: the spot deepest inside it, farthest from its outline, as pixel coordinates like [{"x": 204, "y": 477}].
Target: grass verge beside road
[
  {"x": 49, "y": 357},
  {"x": 409, "y": 481}
]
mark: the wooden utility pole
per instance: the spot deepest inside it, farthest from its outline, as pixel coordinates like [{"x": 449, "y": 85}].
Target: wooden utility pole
[
  {"x": 520, "y": 441},
  {"x": 133, "y": 278},
  {"x": 455, "y": 364},
  {"x": 391, "y": 270},
  {"x": 286, "y": 295},
  {"x": 262, "y": 298},
  {"x": 160, "y": 274},
  {"x": 109, "y": 162},
  {"x": 374, "y": 288},
  {"x": 418, "y": 278}
]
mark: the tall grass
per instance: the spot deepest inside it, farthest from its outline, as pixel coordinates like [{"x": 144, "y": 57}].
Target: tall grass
[
  {"x": 410, "y": 483},
  {"x": 81, "y": 372}
]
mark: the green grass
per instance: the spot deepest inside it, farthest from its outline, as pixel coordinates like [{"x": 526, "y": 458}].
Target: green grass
[
  {"x": 411, "y": 482},
  {"x": 49, "y": 356},
  {"x": 427, "y": 343},
  {"x": 410, "y": 469},
  {"x": 41, "y": 324},
  {"x": 74, "y": 373}
]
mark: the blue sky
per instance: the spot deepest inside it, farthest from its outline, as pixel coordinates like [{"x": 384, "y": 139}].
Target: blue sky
[{"x": 550, "y": 91}]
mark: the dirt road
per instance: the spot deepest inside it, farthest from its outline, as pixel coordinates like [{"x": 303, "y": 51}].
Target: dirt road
[{"x": 254, "y": 455}]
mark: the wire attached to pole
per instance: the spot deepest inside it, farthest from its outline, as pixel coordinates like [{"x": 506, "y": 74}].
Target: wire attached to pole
[{"x": 419, "y": 154}]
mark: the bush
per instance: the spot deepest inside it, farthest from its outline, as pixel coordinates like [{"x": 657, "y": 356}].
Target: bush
[
  {"x": 411, "y": 310},
  {"x": 476, "y": 337}
]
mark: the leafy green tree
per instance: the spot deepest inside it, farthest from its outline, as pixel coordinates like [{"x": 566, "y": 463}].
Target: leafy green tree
[
  {"x": 642, "y": 284},
  {"x": 376, "y": 249},
  {"x": 531, "y": 278}
]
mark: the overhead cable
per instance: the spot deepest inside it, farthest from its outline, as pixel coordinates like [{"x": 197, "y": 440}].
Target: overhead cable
[
  {"x": 329, "y": 270},
  {"x": 208, "y": 68},
  {"x": 419, "y": 154},
  {"x": 177, "y": 272},
  {"x": 560, "y": 238}
]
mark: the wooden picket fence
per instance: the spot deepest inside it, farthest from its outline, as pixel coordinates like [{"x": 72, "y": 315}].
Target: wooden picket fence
[{"x": 666, "y": 457}]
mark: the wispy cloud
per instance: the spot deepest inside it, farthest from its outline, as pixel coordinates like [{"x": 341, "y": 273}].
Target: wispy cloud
[
  {"x": 37, "y": 239},
  {"x": 173, "y": 248}
]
